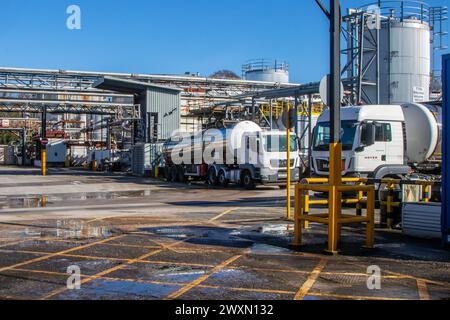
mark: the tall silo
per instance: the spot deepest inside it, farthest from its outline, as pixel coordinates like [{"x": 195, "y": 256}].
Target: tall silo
[
  {"x": 266, "y": 70},
  {"x": 405, "y": 44},
  {"x": 393, "y": 62}
]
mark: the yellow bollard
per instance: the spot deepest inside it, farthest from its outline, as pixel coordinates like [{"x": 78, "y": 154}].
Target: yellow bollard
[
  {"x": 370, "y": 227},
  {"x": 288, "y": 142},
  {"x": 334, "y": 200},
  {"x": 306, "y": 209},
  {"x": 298, "y": 211},
  {"x": 359, "y": 204},
  {"x": 390, "y": 208},
  {"x": 44, "y": 161},
  {"x": 156, "y": 171},
  {"x": 427, "y": 194},
  {"x": 43, "y": 201},
  {"x": 94, "y": 165}
]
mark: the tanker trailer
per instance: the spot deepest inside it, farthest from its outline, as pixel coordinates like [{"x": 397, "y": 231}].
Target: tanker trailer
[{"x": 241, "y": 153}]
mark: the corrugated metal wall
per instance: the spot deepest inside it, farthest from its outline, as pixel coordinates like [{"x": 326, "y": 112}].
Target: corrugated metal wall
[
  {"x": 166, "y": 103},
  {"x": 422, "y": 220}
]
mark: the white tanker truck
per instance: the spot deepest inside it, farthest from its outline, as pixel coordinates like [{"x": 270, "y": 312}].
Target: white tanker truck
[
  {"x": 228, "y": 155},
  {"x": 381, "y": 141}
]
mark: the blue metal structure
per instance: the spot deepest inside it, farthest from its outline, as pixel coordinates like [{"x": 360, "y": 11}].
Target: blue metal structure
[{"x": 446, "y": 149}]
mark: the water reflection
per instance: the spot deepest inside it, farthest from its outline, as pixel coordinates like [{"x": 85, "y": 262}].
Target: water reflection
[{"x": 41, "y": 201}]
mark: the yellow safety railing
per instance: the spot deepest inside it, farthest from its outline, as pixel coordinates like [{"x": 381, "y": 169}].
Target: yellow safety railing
[
  {"x": 279, "y": 107},
  {"x": 359, "y": 201},
  {"x": 334, "y": 220}
]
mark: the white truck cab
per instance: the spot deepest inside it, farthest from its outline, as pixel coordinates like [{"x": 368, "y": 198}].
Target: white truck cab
[
  {"x": 380, "y": 140},
  {"x": 372, "y": 136},
  {"x": 274, "y": 157}
]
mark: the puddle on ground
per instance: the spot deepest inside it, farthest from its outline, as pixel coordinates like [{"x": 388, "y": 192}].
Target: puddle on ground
[
  {"x": 266, "y": 248},
  {"x": 311, "y": 298},
  {"x": 183, "y": 275},
  {"x": 104, "y": 289},
  {"x": 71, "y": 229},
  {"x": 38, "y": 201},
  {"x": 213, "y": 236},
  {"x": 64, "y": 229},
  {"x": 276, "y": 229}
]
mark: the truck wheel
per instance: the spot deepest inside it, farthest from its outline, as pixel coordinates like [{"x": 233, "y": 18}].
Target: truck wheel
[
  {"x": 223, "y": 181},
  {"x": 181, "y": 176},
  {"x": 174, "y": 174},
  {"x": 212, "y": 177},
  {"x": 167, "y": 174},
  {"x": 247, "y": 181}
]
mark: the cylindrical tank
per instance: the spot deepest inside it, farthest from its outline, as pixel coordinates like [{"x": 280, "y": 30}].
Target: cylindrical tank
[
  {"x": 229, "y": 140},
  {"x": 404, "y": 52},
  {"x": 266, "y": 70},
  {"x": 423, "y": 126},
  {"x": 407, "y": 43}
]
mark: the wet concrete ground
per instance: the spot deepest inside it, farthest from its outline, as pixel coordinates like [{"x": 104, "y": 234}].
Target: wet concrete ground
[{"x": 137, "y": 238}]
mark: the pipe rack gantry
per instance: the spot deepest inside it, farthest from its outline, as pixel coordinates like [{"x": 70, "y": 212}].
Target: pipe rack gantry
[
  {"x": 121, "y": 111},
  {"x": 192, "y": 87}
]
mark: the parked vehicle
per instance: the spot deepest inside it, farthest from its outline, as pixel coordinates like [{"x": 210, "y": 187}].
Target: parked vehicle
[
  {"x": 380, "y": 141},
  {"x": 229, "y": 151}
]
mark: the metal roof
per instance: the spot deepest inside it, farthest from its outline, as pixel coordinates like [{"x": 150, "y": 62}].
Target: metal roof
[
  {"x": 128, "y": 86},
  {"x": 310, "y": 88}
]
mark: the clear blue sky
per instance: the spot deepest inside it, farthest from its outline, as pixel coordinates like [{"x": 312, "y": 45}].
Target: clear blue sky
[{"x": 170, "y": 36}]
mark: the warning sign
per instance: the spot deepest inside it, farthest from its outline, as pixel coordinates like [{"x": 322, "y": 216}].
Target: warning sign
[{"x": 418, "y": 94}]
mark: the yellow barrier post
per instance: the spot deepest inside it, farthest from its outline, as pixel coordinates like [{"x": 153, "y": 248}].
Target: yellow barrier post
[
  {"x": 370, "y": 227},
  {"x": 94, "y": 165},
  {"x": 427, "y": 195},
  {"x": 44, "y": 161},
  {"x": 390, "y": 207},
  {"x": 359, "y": 204},
  {"x": 156, "y": 171},
  {"x": 334, "y": 201},
  {"x": 297, "y": 213},
  {"x": 43, "y": 201},
  {"x": 288, "y": 139},
  {"x": 306, "y": 209}
]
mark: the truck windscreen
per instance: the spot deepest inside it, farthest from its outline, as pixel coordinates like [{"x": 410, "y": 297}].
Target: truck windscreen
[
  {"x": 278, "y": 143},
  {"x": 321, "y": 140}
]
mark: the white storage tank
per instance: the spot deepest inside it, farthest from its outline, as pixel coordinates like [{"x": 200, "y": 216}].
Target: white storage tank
[
  {"x": 406, "y": 46},
  {"x": 404, "y": 53},
  {"x": 266, "y": 70}
]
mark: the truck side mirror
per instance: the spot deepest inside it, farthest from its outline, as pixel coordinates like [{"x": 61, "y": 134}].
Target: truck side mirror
[{"x": 368, "y": 132}]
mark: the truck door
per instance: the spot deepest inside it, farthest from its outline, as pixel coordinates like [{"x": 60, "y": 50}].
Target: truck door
[
  {"x": 393, "y": 135},
  {"x": 375, "y": 155}
]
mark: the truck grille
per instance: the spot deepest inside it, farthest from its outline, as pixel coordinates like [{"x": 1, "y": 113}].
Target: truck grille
[
  {"x": 281, "y": 163},
  {"x": 323, "y": 165}
]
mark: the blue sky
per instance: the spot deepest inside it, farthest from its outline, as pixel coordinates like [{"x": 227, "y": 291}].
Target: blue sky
[{"x": 167, "y": 36}]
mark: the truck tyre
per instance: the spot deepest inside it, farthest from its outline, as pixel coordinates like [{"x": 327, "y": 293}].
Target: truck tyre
[
  {"x": 212, "y": 177},
  {"x": 181, "y": 176},
  {"x": 223, "y": 181},
  {"x": 247, "y": 180},
  {"x": 167, "y": 174},
  {"x": 174, "y": 174}
]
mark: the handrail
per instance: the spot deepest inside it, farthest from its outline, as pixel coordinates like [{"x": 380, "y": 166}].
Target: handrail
[
  {"x": 402, "y": 10},
  {"x": 265, "y": 64}
]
